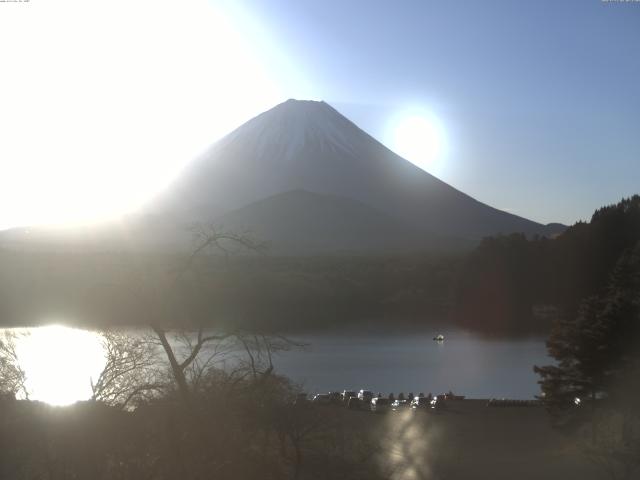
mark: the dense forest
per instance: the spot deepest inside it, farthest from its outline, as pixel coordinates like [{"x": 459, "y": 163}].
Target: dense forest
[
  {"x": 514, "y": 284},
  {"x": 292, "y": 293}
]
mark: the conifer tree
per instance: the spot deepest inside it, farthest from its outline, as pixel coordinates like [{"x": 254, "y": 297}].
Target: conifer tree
[{"x": 598, "y": 351}]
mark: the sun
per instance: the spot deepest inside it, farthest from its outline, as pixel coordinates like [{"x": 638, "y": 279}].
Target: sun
[
  {"x": 60, "y": 363},
  {"x": 104, "y": 113},
  {"x": 420, "y": 139}
]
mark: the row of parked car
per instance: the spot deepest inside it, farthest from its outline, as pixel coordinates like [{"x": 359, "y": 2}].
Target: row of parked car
[
  {"x": 505, "y": 402},
  {"x": 366, "y": 399}
]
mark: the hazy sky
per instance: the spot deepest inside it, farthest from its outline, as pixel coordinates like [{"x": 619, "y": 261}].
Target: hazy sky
[
  {"x": 540, "y": 99},
  {"x": 101, "y": 103}
]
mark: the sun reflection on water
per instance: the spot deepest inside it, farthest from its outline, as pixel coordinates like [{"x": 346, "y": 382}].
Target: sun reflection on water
[{"x": 60, "y": 362}]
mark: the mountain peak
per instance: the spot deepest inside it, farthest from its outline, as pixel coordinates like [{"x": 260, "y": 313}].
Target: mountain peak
[
  {"x": 307, "y": 108},
  {"x": 295, "y": 101},
  {"x": 291, "y": 126}
]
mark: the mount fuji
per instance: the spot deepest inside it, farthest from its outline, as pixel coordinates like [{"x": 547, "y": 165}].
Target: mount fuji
[
  {"x": 307, "y": 180},
  {"x": 304, "y": 176}
]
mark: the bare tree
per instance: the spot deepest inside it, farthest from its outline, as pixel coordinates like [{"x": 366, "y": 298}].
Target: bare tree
[
  {"x": 12, "y": 376},
  {"x": 180, "y": 366},
  {"x": 212, "y": 239},
  {"x": 260, "y": 349},
  {"x": 301, "y": 425},
  {"x": 190, "y": 355},
  {"x": 207, "y": 238},
  {"x": 132, "y": 370}
]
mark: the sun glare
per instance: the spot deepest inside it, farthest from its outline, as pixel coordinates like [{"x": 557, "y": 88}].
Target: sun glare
[
  {"x": 420, "y": 139},
  {"x": 60, "y": 362},
  {"x": 103, "y": 102}
]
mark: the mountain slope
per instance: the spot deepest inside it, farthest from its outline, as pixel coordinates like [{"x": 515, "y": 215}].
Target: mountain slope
[
  {"x": 305, "y": 145},
  {"x": 300, "y": 222}
]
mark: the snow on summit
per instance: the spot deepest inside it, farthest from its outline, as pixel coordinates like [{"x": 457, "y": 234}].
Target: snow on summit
[{"x": 294, "y": 125}]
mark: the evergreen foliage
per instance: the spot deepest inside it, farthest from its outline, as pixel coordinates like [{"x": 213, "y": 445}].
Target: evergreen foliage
[
  {"x": 506, "y": 277},
  {"x": 598, "y": 350}
]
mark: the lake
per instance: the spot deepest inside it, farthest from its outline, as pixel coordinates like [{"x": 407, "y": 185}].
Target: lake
[
  {"x": 59, "y": 363},
  {"x": 464, "y": 362}
]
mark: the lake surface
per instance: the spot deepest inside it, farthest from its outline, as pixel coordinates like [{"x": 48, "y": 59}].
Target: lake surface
[
  {"x": 60, "y": 362},
  {"x": 466, "y": 363}
]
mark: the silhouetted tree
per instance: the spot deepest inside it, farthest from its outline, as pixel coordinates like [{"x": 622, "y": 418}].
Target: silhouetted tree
[
  {"x": 598, "y": 351},
  {"x": 132, "y": 372}
]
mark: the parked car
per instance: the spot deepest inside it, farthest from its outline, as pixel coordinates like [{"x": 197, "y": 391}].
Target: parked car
[
  {"x": 335, "y": 397},
  {"x": 347, "y": 394},
  {"x": 322, "y": 399},
  {"x": 419, "y": 403},
  {"x": 365, "y": 395},
  {"x": 503, "y": 402},
  {"x": 380, "y": 405},
  {"x": 399, "y": 405}
]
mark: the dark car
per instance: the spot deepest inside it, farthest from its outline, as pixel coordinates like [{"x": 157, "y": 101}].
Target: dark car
[
  {"x": 322, "y": 399},
  {"x": 335, "y": 397}
]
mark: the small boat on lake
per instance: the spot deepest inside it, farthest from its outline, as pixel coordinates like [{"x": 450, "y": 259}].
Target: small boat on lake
[{"x": 439, "y": 338}]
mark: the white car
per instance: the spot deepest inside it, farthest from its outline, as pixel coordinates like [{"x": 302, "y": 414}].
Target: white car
[
  {"x": 365, "y": 395},
  {"x": 419, "y": 403},
  {"x": 347, "y": 394},
  {"x": 380, "y": 404},
  {"x": 399, "y": 405}
]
